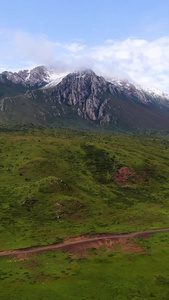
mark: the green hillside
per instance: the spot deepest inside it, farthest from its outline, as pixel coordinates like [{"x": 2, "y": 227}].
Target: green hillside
[
  {"x": 57, "y": 184},
  {"x": 61, "y": 183},
  {"x": 101, "y": 275}
]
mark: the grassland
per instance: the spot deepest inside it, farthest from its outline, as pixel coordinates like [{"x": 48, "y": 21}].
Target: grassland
[
  {"x": 57, "y": 184},
  {"x": 101, "y": 275}
]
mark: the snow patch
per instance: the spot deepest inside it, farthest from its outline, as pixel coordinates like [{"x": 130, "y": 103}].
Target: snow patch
[
  {"x": 54, "y": 78},
  {"x": 149, "y": 91},
  {"x": 154, "y": 92}
]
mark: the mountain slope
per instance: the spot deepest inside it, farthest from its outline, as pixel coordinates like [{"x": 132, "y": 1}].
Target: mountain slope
[{"x": 83, "y": 98}]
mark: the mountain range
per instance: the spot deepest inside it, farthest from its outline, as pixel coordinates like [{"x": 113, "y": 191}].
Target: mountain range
[{"x": 80, "y": 99}]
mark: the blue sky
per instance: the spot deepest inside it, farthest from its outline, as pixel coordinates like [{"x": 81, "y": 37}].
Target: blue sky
[{"x": 125, "y": 38}]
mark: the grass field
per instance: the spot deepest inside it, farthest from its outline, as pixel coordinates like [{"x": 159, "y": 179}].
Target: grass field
[
  {"x": 101, "y": 275},
  {"x": 57, "y": 184}
]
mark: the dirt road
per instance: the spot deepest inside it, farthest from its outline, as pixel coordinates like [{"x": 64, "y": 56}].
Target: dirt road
[{"x": 81, "y": 242}]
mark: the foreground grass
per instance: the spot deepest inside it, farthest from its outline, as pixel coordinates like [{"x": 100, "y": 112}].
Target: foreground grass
[
  {"x": 100, "y": 275},
  {"x": 57, "y": 183}
]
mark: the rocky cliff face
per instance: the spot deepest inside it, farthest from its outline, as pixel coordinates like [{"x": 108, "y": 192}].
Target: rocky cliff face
[
  {"x": 99, "y": 100},
  {"x": 80, "y": 95},
  {"x": 36, "y": 77},
  {"x": 84, "y": 90}
]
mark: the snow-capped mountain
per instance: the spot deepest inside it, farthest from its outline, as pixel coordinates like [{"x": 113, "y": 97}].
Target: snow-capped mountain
[
  {"x": 144, "y": 93},
  {"x": 45, "y": 96},
  {"x": 49, "y": 78},
  {"x": 36, "y": 77},
  {"x": 27, "y": 78}
]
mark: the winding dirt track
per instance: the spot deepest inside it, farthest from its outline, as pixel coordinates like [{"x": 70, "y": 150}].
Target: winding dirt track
[{"x": 68, "y": 246}]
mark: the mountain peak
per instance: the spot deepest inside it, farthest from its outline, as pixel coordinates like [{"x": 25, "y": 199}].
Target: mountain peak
[
  {"x": 83, "y": 95},
  {"x": 83, "y": 72}
]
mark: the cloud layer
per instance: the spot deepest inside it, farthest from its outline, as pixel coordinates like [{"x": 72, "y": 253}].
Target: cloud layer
[{"x": 141, "y": 61}]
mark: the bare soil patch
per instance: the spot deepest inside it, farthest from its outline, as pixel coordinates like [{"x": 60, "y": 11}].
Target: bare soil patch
[
  {"x": 117, "y": 245},
  {"x": 124, "y": 241},
  {"x": 126, "y": 176},
  {"x": 123, "y": 174}
]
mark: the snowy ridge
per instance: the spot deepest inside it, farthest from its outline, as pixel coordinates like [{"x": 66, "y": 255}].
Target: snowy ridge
[
  {"x": 143, "y": 91},
  {"x": 154, "y": 92},
  {"x": 54, "y": 78},
  {"x": 46, "y": 78}
]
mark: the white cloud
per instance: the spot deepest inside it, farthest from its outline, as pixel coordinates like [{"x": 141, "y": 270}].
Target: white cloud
[
  {"x": 75, "y": 47},
  {"x": 39, "y": 48},
  {"x": 144, "y": 62},
  {"x": 141, "y": 61}
]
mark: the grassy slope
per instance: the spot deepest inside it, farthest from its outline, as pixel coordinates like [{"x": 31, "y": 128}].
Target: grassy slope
[{"x": 56, "y": 184}]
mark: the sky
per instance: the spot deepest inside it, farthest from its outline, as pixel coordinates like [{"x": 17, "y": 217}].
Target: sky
[{"x": 115, "y": 38}]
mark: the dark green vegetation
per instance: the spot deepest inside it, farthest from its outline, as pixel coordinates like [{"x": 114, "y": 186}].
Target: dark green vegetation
[
  {"x": 101, "y": 275},
  {"x": 9, "y": 89},
  {"x": 60, "y": 183}
]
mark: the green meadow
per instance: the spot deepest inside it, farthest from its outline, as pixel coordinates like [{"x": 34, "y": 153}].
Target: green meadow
[
  {"x": 101, "y": 275},
  {"x": 58, "y": 183}
]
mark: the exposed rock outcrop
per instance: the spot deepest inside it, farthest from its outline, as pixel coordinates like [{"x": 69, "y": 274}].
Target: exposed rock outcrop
[
  {"x": 40, "y": 95},
  {"x": 36, "y": 77},
  {"x": 86, "y": 91}
]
